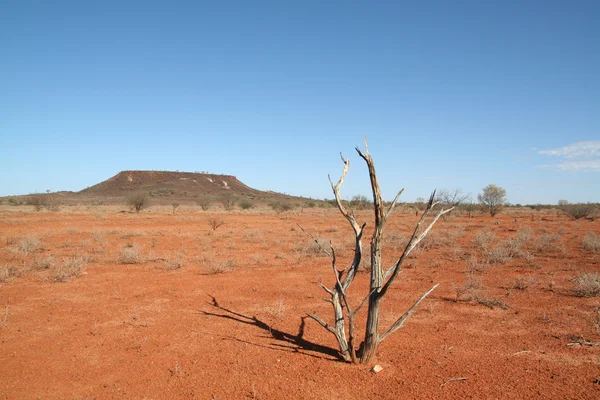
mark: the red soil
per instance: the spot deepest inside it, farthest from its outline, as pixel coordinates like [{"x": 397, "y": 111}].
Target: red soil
[{"x": 148, "y": 330}]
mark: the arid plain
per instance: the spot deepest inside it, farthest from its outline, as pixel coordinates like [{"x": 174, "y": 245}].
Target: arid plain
[{"x": 100, "y": 303}]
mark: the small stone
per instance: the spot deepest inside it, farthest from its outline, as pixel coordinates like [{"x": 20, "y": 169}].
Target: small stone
[{"x": 377, "y": 369}]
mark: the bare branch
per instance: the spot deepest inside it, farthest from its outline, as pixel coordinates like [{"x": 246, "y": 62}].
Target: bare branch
[
  {"x": 391, "y": 208},
  {"x": 322, "y": 323},
  {"x": 413, "y": 242},
  {"x": 362, "y": 303},
  {"x": 325, "y": 288},
  {"x": 400, "y": 322}
]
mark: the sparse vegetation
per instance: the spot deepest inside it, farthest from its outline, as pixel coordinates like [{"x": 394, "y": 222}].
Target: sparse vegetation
[
  {"x": 578, "y": 210},
  {"x": 41, "y": 201}
]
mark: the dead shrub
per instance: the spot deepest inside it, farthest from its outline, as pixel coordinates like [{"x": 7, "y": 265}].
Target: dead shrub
[
  {"x": 550, "y": 243},
  {"x": 28, "y": 245},
  {"x": 70, "y": 267},
  {"x": 513, "y": 246},
  {"x": 174, "y": 262},
  {"x": 468, "y": 291},
  {"x": 214, "y": 267},
  {"x": 138, "y": 201},
  {"x": 4, "y": 273},
  {"x": 43, "y": 262},
  {"x": 130, "y": 255},
  {"x": 492, "y": 302},
  {"x": 591, "y": 242},
  {"x": 524, "y": 235},
  {"x": 498, "y": 255},
  {"x": 215, "y": 222},
  {"x": 525, "y": 282},
  {"x": 395, "y": 241},
  {"x": 434, "y": 240},
  {"x": 483, "y": 239},
  {"x": 309, "y": 249},
  {"x": 476, "y": 266},
  {"x": 587, "y": 284}
]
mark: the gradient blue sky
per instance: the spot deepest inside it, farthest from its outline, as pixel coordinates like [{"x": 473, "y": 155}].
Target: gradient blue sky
[{"x": 451, "y": 94}]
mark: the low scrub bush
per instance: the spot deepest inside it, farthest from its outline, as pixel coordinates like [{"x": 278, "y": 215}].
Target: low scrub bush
[
  {"x": 579, "y": 210},
  {"x": 204, "y": 202},
  {"x": 246, "y": 204},
  {"x": 130, "y": 255},
  {"x": 43, "y": 262},
  {"x": 174, "y": 262},
  {"x": 587, "y": 284},
  {"x": 213, "y": 267},
  {"x": 484, "y": 239},
  {"x": 550, "y": 243},
  {"x": 70, "y": 267},
  {"x": 138, "y": 201},
  {"x": 591, "y": 242},
  {"x": 280, "y": 206}
]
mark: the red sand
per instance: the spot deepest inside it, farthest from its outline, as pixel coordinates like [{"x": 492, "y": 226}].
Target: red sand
[{"x": 133, "y": 331}]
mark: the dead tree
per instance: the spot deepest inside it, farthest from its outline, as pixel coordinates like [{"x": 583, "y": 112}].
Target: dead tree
[{"x": 344, "y": 328}]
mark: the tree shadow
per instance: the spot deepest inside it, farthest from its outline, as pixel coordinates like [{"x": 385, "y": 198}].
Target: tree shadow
[{"x": 293, "y": 343}]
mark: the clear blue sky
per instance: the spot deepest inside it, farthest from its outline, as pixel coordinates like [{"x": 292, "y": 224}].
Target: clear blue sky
[{"x": 451, "y": 94}]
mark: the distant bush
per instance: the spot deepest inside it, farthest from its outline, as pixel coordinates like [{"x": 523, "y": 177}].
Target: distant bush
[
  {"x": 204, "y": 202},
  {"x": 40, "y": 201},
  {"x": 578, "y": 210},
  {"x": 13, "y": 202},
  {"x": 246, "y": 204},
  {"x": 138, "y": 201},
  {"x": 228, "y": 202},
  {"x": 360, "y": 202},
  {"x": 280, "y": 206},
  {"x": 161, "y": 192}
]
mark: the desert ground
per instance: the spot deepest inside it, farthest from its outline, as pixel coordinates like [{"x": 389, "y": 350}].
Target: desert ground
[{"x": 100, "y": 303}]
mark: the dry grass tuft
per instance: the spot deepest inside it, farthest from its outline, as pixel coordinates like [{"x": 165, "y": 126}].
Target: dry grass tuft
[
  {"x": 43, "y": 262},
  {"x": 587, "y": 284},
  {"x": 525, "y": 282},
  {"x": 591, "y": 242},
  {"x": 484, "y": 239},
  {"x": 550, "y": 243},
  {"x": 70, "y": 267},
  {"x": 130, "y": 254},
  {"x": 174, "y": 262},
  {"x": 213, "y": 267}
]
